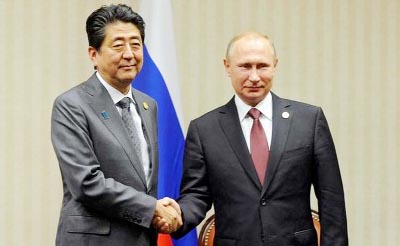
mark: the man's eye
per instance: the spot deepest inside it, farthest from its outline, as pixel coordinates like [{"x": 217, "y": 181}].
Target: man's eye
[
  {"x": 135, "y": 45},
  {"x": 117, "y": 46},
  {"x": 263, "y": 66}
]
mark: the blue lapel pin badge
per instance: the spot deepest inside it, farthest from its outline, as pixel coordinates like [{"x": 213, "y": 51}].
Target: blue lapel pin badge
[
  {"x": 285, "y": 115},
  {"x": 145, "y": 105},
  {"x": 105, "y": 115}
]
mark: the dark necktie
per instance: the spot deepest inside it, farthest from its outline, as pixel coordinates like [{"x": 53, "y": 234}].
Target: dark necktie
[
  {"x": 258, "y": 145},
  {"x": 124, "y": 104}
]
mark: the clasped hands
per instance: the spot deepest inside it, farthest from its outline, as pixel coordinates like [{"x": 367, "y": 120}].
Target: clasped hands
[{"x": 167, "y": 217}]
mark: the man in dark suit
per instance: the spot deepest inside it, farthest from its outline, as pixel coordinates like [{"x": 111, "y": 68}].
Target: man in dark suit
[
  {"x": 104, "y": 134},
  {"x": 255, "y": 159}
]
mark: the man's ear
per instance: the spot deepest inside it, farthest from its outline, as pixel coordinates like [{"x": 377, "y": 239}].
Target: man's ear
[
  {"x": 92, "y": 52},
  {"x": 227, "y": 67}
]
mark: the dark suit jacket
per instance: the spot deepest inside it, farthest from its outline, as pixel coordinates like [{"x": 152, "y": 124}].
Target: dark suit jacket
[
  {"x": 106, "y": 200},
  {"x": 218, "y": 169}
]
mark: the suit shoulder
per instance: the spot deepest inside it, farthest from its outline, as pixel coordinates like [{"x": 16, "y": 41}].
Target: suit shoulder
[
  {"x": 71, "y": 95},
  {"x": 210, "y": 114},
  {"x": 301, "y": 105}
]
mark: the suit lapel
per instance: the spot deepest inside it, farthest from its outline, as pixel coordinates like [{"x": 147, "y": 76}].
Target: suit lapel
[
  {"x": 233, "y": 131},
  {"x": 147, "y": 130},
  {"x": 144, "y": 115},
  {"x": 105, "y": 109},
  {"x": 280, "y": 131}
]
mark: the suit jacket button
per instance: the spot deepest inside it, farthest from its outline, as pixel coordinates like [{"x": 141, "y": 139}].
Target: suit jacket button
[{"x": 263, "y": 202}]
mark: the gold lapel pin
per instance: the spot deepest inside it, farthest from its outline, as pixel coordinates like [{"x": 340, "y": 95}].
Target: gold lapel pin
[
  {"x": 285, "y": 115},
  {"x": 145, "y": 105}
]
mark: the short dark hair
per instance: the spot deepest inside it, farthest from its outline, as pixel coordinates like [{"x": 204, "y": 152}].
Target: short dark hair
[{"x": 96, "y": 23}]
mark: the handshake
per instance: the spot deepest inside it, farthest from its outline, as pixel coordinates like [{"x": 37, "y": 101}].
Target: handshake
[{"x": 167, "y": 217}]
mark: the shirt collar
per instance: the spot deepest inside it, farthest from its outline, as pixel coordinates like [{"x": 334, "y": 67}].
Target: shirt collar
[
  {"x": 265, "y": 107},
  {"x": 115, "y": 94}
]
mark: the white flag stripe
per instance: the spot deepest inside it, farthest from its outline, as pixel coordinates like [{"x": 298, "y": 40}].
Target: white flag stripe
[{"x": 160, "y": 43}]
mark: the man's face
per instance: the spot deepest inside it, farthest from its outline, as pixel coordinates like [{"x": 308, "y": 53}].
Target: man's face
[
  {"x": 120, "y": 56},
  {"x": 251, "y": 64}
]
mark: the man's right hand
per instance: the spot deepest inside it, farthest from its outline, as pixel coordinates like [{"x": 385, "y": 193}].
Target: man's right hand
[{"x": 167, "y": 217}]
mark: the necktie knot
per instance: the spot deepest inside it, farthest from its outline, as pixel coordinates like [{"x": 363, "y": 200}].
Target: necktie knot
[
  {"x": 254, "y": 113},
  {"x": 124, "y": 103}
]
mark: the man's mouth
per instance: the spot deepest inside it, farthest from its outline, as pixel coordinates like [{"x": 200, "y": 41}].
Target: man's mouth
[
  {"x": 254, "y": 87},
  {"x": 127, "y": 66}
]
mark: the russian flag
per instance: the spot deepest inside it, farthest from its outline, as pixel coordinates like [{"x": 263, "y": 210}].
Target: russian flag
[{"x": 159, "y": 79}]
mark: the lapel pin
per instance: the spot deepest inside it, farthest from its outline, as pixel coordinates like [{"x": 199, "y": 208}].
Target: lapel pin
[
  {"x": 285, "y": 115},
  {"x": 145, "y": 105},
  {"x": 105, "y": 115}
]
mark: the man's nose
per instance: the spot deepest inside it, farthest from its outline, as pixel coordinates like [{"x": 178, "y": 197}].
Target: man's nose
[
  {"x": 254, "y": 77},
  {"x": 128, "y": 53}
]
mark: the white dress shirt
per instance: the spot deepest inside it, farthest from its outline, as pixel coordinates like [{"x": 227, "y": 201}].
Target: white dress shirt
[
  {"x": 246, "y": 122},
  {"x": 116, "y": 96}
]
